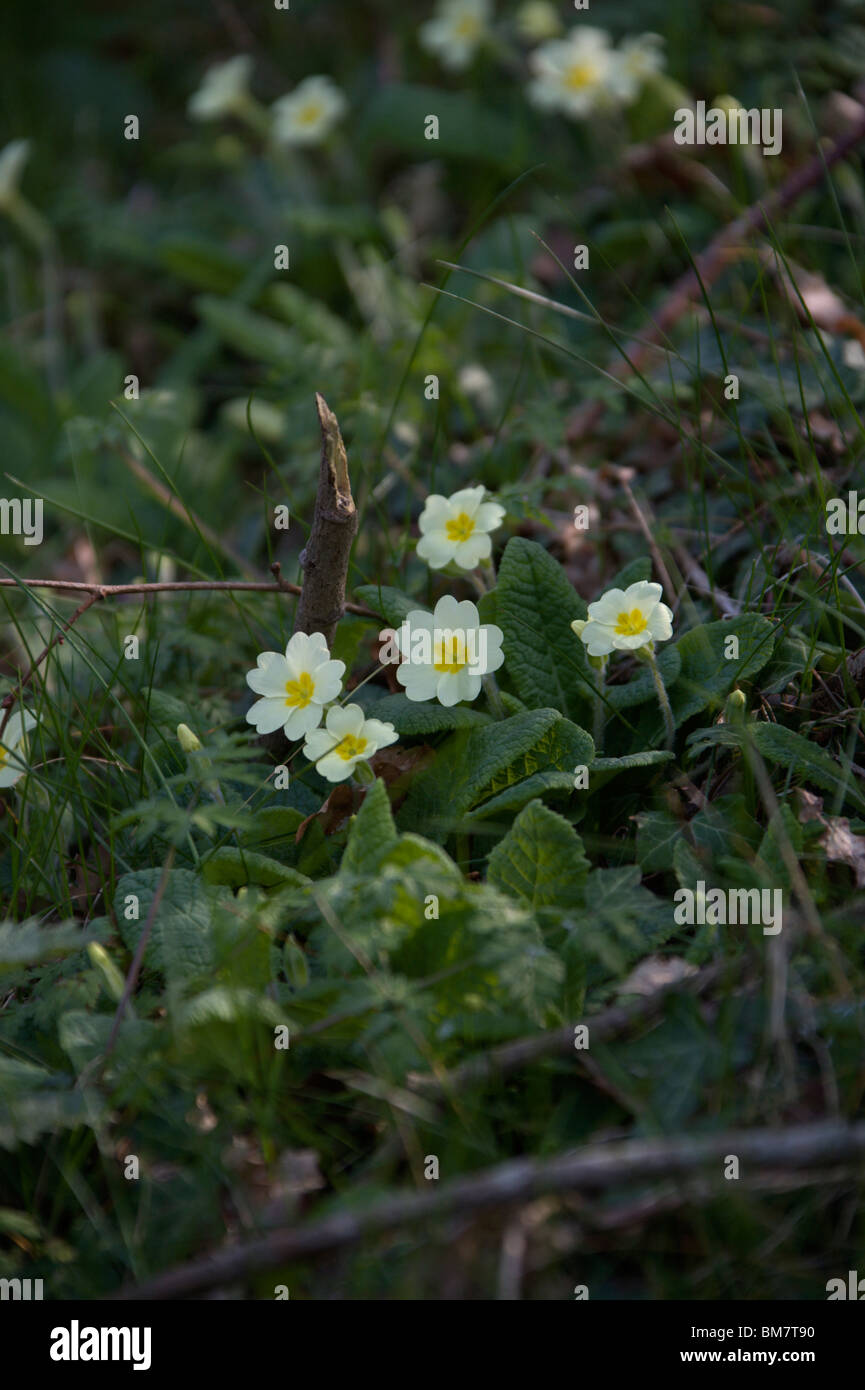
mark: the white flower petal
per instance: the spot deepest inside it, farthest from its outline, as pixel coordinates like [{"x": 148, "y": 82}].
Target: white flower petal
[
  {"x": 266, "y": 715},
  {"x": 436, "y": 549},
  {"x": 489, "y": 516},
  {"x": 302, "y": 721},
  {"x": 643, "y": 592},
  {"x": 469, "y": 554}
]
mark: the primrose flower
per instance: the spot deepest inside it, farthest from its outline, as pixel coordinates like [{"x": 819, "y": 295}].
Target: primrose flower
[
  {"x": 347, "y": 739},
  {"x": 295, "y": 687},
  {"x": 13, "y": 157},
  {"x": 458, "y": 29},
  {"x": 576, "y": 74},
  {"x": 538, "y": 20},
  {"x": 625, "y": 620},
  {"x": 307, "y": 115},
  {"x": 12, "y": 765},
  {"x": 446, "y": 652},
  {"x": 458, "y": 528},
  {"x": 223, "y": 89},
  {"x": 635, "y": 60}
]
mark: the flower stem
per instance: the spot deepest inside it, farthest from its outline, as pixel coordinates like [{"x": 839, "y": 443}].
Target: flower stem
[
  {"x": 598, "y": 721},
  {"x": 663, "y": 697},
  {"x": 493, "y": 694}
]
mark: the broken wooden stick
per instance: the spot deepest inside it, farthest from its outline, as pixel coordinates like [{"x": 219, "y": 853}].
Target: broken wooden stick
[{"x": 325, "y": 558}]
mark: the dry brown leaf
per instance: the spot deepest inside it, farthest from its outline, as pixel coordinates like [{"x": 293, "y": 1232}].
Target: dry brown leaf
[
  {"x": 656, "y": 972},
  {"x": 838, "y": 842}
]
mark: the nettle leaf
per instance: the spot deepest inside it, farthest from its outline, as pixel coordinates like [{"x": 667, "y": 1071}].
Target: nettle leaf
[
  {"x": 272, "y": 832},
  {"x": 707, "y": 675},
  {"x": 84, "y": 1037},
  {"x": 24, "y": 1118},
  {"x": 535, "y": 606},
  {"x": 237, "y": 867},
  {"x": 619, "y": 922},
  {"x": 478, "y": 763},
  {"x": 783, "y": 830},
  {"x": 372, "y": 832},
  {"x": 409, "y": 717},
  {"x": 658, "y": 833},
  {"x": 725, "y": 827},
  {"x": 180, "y": 941},
  {"x": 668, "y": 1069},
  {"x": 393, "y": 605},
  {"x": 540, "y": 860},
  {"x": 23, "y": 944},
  {"x": 642, "y": 688},
  {"x": 790, "y": 750}
]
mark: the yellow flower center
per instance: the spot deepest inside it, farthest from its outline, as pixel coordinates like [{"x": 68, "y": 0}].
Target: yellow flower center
[
  {"x": 4, "y": 756},
  {"x": 308, "y": 115},
  {"x": 460, "y": 528},
  {"x": 450, "y": 655},
  {"x": 580, "y": 75},
  {"x": 468, "y": 27},
  {"x": 629, "y": 624},
  {"x": 350, "y": 747},
  {"x": 299, "y": 693}
]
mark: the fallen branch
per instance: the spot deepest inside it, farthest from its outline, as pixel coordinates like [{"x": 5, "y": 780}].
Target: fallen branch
[
  {"x": 334, "y": 524},
  {"x": 800, "y": 1148},
  {"x": 609, "y": 1023}
]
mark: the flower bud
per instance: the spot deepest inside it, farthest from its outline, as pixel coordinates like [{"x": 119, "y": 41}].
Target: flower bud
[{"x": 187, "y": 739}]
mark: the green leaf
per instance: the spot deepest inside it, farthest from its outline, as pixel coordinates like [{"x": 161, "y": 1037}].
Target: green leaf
[
  {"x": 251, "y": 334},
  {"x": 658, "y": 833},
  {"x": 642, "y": 688},
  {"x": 236, "y": 867},
  {"x": 634, "y": 572},
  {"x": 24, "y": 1118},
  {"x": 180, "y": 941},
  {"x": 541, "y": 859},
  {"x": 650, "y": 757},
  {"x": 783, "y": 829},
  {"x": 27, "y": 943},
  {"x": 535, "y": 605},
  {"x": 372, "y": 832},
  {"x": 707, "y": 675},
  {"x": 410, "y": 717},
  {"x": 790, "y": 750},
  {"x": 516, "y": 797},
  {"x": 393, "y": 605},
  {"x": 477, "y": 763},
  {"x": 468, "y": 129}
]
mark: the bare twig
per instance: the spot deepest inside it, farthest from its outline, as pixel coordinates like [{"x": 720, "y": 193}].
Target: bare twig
[
  {"x": 201, "y": 586},
  {"x": 794, "y": 1148},
  {"x": 334, "y": 523}
]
